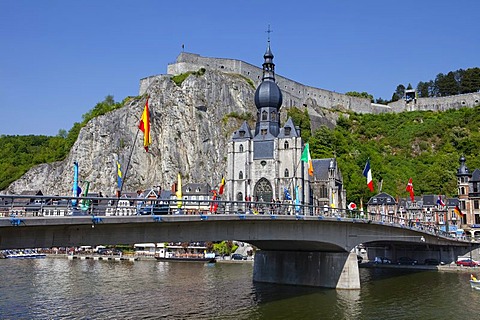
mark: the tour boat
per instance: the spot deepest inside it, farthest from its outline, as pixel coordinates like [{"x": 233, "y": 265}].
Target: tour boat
[{"x": 191, "y": 253}]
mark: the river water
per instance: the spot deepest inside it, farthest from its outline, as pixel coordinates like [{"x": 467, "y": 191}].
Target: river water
[{"x": 58, "y": 288}]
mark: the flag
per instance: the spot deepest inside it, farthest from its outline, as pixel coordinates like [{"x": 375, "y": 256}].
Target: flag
[
  {"x": 222, "y": 185},
  {"x": 307, "y": 159},
  {"x": 119, "y": 175},
  {"x": 297, "y": 199},
  {"x": 458, "y": 212},
  {"x": 440, "y": 201},
  {"x": 367, "y": 172},
  {"x": 409, "y": 188},
  {"x": 179, "y": 191},
  {"x": 214, "y": 204},
  {"x": 287, "y": 195},
  {"x": 145, "y": 126}
]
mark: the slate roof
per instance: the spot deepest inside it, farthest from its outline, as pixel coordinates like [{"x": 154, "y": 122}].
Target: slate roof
[
  {"x": 320, "y": 168},
  {"x": 381, "y": 198}
]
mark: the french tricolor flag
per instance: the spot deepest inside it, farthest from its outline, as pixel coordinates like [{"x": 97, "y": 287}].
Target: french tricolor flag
[
  {"x": 440, "y": 201},
  {"x": 368, "y": 174}
]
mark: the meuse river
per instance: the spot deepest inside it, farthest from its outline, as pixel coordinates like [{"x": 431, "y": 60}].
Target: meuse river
[{"x": 57, "y": 288}]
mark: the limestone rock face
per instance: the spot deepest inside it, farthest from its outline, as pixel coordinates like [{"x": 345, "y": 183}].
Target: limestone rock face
[{"x": 190, "y": 127}]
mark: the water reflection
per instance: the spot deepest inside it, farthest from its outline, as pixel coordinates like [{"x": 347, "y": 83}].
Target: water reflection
[{"x": 72, "y": 289}]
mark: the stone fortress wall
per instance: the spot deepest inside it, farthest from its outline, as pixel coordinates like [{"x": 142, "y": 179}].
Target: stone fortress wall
[{"x": 299, "y": 95}]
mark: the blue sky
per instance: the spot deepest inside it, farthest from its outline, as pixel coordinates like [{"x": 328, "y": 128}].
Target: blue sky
[{"x": 59, "y": 58}]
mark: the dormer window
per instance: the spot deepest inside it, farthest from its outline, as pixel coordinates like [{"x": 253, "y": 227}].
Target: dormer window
[
  {"x": 188, "y": 190},
  {"x": 288, "y": 131},
  {"x": 273, "y": 116},
  {"x": 264, "y": 115},
  {"x": 263, "y": 132},
  {"x": 197, "y": 190},
  {"x": 242, "y": 133}
]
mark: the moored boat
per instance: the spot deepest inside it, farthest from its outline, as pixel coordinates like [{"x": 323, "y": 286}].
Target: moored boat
[
  {"x": 23, "y": 254},
  {"x": 193, "y": 252}
]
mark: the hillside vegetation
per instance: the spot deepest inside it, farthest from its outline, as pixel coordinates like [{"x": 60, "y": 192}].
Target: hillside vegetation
[
  {"x": 421, "y": 145},
  {"x": 20, "y": 153}
]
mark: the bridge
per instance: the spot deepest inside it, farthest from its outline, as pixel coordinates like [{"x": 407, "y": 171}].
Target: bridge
[{"x": 297, "y": 245}]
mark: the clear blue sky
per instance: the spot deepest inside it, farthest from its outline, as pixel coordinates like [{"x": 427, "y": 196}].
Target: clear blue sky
[{"x": 59, "y": 58}]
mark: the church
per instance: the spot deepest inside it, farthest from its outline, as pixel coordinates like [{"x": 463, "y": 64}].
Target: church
[{"x": 265, "y": 164}]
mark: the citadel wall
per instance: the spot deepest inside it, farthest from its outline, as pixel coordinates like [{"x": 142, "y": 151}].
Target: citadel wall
[
  {"x": 294, "y": 93},
  {"x": 299, "y": 95}
]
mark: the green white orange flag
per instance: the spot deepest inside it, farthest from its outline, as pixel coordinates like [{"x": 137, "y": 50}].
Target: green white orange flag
[
  {"x": 307, "y": 159},
  {"x": 145, "y": 126}
]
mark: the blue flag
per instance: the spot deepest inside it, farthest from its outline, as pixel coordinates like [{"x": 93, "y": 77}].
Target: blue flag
[
  {"x": 119, "y": 176},
  {"x": 287, "y": 194},
  {"x": 297, "y": 200}
]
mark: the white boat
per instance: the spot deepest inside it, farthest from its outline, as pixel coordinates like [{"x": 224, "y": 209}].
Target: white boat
[
  {"x": 23, "y": 254},
  {"x": 475, "y": 284}
]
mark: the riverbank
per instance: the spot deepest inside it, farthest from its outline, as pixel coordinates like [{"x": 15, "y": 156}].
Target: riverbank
[{"x": 443, "y": 268}]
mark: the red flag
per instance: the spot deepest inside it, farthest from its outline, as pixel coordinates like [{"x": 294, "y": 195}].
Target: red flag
[
  {"x": 410, "y": 189},
  {"x": 222, "y": 185},
  {"x": 145, "y": 126},
  {"x": 214, "y": 204}
]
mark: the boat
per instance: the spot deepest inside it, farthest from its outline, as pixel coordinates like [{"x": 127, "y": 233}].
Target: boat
[
  {"x": 474, "y": 282},
  {"x": 23, "y": 254},
  {"x": 193, "y": 252}
]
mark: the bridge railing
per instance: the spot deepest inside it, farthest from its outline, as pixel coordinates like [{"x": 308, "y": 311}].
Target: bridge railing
[{"x": 58, "y": 206}]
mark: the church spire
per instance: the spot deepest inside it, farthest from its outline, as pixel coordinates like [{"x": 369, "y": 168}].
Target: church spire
[{"x": 268, "y": 99}]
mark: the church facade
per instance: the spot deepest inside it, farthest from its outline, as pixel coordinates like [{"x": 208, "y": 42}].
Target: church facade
[{"x": 265, "y": 164}]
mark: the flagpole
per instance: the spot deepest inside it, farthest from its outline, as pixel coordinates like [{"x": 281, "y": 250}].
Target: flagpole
[{"x": 128, "y": 163}]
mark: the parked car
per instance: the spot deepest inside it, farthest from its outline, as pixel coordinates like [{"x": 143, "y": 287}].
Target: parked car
[
  {"x": 466, "y": 263},
  {"x": 238, "y": 256},
  {"x": 407, "y": 260},
  {"x": 382, "y": 260},
  {"x": 431, "y": 262}
]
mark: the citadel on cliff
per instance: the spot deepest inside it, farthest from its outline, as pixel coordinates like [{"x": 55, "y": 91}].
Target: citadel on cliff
[{"x": 192, "y": 125}]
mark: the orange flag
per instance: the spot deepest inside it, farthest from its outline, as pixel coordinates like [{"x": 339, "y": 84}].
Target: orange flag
[{"x": 145, "y": 126}]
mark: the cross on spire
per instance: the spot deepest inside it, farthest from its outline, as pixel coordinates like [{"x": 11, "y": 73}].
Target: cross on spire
[{"x": 269, "y": 31}]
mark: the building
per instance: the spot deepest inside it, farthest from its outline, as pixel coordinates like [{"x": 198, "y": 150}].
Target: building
[
  {"x": 264, "y": 164},
  {"x": 468, "y": 185}
]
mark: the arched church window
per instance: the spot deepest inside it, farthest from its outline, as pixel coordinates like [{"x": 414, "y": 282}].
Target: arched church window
[
  {"x": 240, "y": 148},
  {"x": 287, "y": 173},
  {"x": 264, "y": 115},
  {"x": 263, "y": 190},
  {"x": 286, "y": 145},
  {"x": 239, "y": 196},
  {"x": 288, "y": 130},
  {"x": 240, "y": 175},
  {"x": 273, "y": 116}
]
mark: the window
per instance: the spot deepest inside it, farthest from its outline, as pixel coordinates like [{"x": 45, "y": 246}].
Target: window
[
  {"x": 475, "y": 205},
  {"x": 240, "y": 148},
  {"x": 240, "y": 175},
  {"x": 264, "y": 115},
  {"x": 239, "y": 196},
  {"x": 197, "y": 190},
  {"x": 288, "y": 130},
  {"x": 287, "y": 174},
  {"x": 242, "y": 133},
  {"x": 263, "y": 132},
  {"x": 285, "y": 145},
  {"x": 273, "y": 116}
]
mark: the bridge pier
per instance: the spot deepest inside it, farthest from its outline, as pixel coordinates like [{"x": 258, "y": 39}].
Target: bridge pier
[{"x": 317, "y": 269}]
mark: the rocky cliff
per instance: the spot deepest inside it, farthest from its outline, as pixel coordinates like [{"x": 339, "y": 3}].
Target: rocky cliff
[{"x": 191, "y": 124}]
